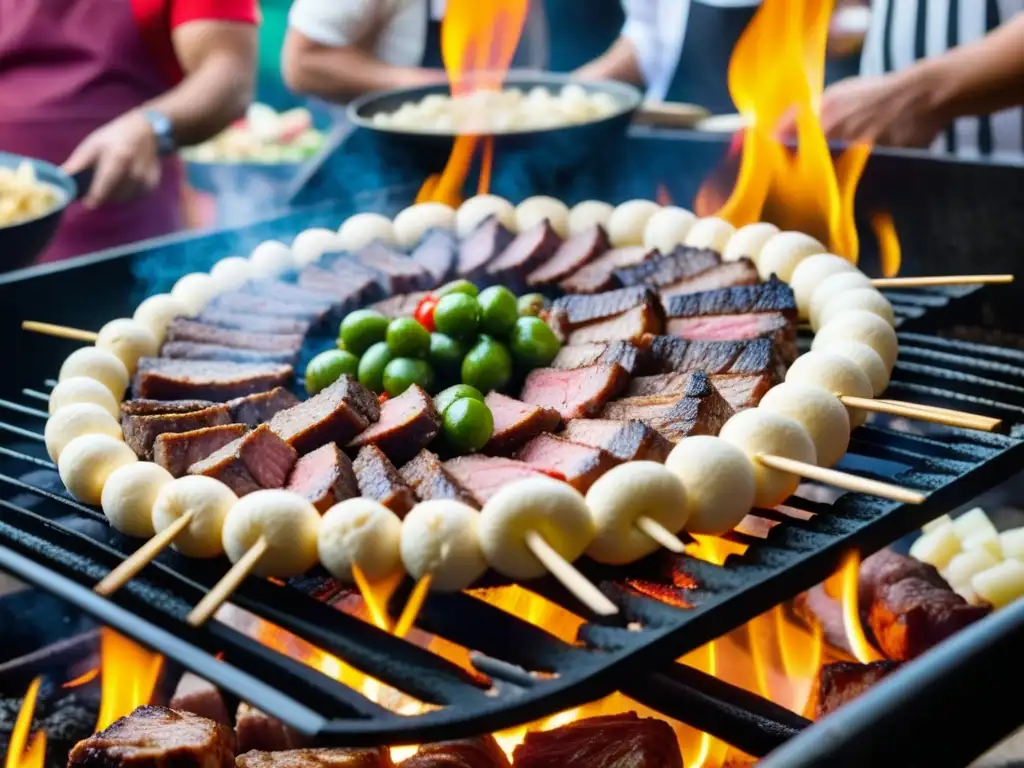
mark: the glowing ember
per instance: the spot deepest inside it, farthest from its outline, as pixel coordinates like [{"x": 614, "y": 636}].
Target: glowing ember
[
  {"x": 83, "y": 679},
  {"x": 130, "y": 674},
  {"x": 889, "y": 250},
  {"x": 862, "y": 649},
  {"x": 17, "y": 754}
]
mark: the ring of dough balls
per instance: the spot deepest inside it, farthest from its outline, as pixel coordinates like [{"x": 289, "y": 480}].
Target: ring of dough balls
[
  {"x": 866, "y": 299},
  {"x": 99, "y": 364},
  {"x": 208, "y": 500},
  {"x": 586, "y": 214},
  {"x": 87, "y": 461},
  {"x": 711, "y": 232},
  {"x": 195, "y": 290},
  {"x": 129, "y": 495},
  {"x": 127, "y": 340},
  {"x": 310, "y": 244},
  {"x": 287, "y": 522},
  {"x": 748, "y": 241},
  {"x": 156, "y": 313},
  {"x": 362, "y": 229},
  {"x": 866, "y": 359},
  {"x": 668, "y": 228},
  {"x": 76, "y": 420},
  {"x": 757, "y": 431},
  {"x": 719, "y": 482},
  {"x": 82, "y": 389},
  {"x": 413, "y": 222},
  {"x": 628, "y": 221},
  {"x": 363, "y": 532},
  {"x": 271, "y": 259},
  {"x": 472, "y": 213},
  {"x": 783, "y": 252},
  {"x": 819, "y": 412},
  {"x": 832, "y": 286},
  {"x": 810, "y": 273},
  {"x": 865, "y": 327},
  {"x": 624, "y": 494},
  {"x": 834, "y": 373},
  {"x": 554, "y": 509},
  {"x": 440, "y": 537},
  {"x": 538, "y": 208},
  {"x": 231, "y": 273}
]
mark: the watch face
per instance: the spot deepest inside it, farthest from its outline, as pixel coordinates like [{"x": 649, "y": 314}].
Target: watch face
[{"x": 161, "y": 126}]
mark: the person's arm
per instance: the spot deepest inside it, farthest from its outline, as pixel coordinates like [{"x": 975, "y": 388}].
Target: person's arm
[
  {"x": 634, "y": 57},
  {"x": 619, "y": 62}
]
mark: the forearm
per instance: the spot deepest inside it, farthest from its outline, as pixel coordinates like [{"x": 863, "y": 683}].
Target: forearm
[{"x": 619, "y": 62}]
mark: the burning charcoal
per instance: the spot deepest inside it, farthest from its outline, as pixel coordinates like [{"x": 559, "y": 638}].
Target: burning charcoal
[
  {"x": 576, "y": 393},
  {"x": 379, "y": 480},
  {"x": 578, "y": 250},
  {"x": 682, "y": 263},
  {"x": 141, "y": 432},
  {"x": 482, "y": 752},
  {"x": 324, "y": 477},
  {"x": 516, "y": 423},
  {"x": 428, "y": 479},
  {"x": 336, "y": 414},
  {"x": 253, "y": 410},
  {"x": 579, "y": 465},
  {"x": 258, "y": 460},
  {"x": 340, "y": 757},
  {"x": 698, "y": 410},
  {"x": 199, "y": 697},
  {"x": 602, "y": 742},
  {"x": 161, "y": 378},
  {"x": 843, "y": 681},
  {"x": 257, "y": 730},
  {"x": 599, "y": 275},
  {"x": 626, "y": 440},
  {"x": 727, "y": 275},
  {"x": 177, "y": 451},
  {"x": 631, "y": 326},
  {"x": 407, "y": 424}
]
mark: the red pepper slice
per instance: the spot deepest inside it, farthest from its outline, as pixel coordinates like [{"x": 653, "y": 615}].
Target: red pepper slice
[
  {"x": 383, "y": 398},
  {"x": 424, "y": 314}
]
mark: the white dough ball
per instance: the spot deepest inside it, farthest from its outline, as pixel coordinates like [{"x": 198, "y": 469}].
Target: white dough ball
[
  {"x": 76, "y": 420},
  {"x": 231, "y": 273},
  {"x": 129, "y": 496},
  {"x": 583, "y": 216},
  {"x": 628, "y": 221},
  {"x": 757, "y": 431},
  {"x": 362, "y": 229},
  {"x": 195, "y": 290},
  {"x": 624, "y": 494},
  {"x": 536, "y": 209},
  {"x": 99, "y": 364},
  {"x": 286, "y": 521},
  {"x": 710, "y": 232},
  {"x": 810, "y": 273},
  {"x": 748, "y": 241},
  {"x": 866, "y": 359},
  {"x": 413, "y": 222},
  {"x": 363, "y": 532},
  {"x": 271, "y": 259},
  {"x": 208, "y": 500},
  {"x": 831, "y": 287},
  {"x": 83, "y": 389},
  {"x": 867, "y": 299},
  {"x": 834, "y": 373},
  {"x": 310, "y": 244},
  {"x": 719, "y": 482},
  {"x": 87, "y": 461},
  {"x": 440, "y": 537},
  {"x": 471, "y": 214},
  {"x": 128, "y": 340},
  {"x": 781, "y": 254},
  {"x": 554, "y": 509},
  {"x": 865, "y": 327},
  {"x": 668, "y": 228},
  {"x": 156, "y": 313},
  {"x": 819, "y": 412}
]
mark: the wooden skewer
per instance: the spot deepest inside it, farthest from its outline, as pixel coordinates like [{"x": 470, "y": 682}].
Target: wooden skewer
[
  {"x": 944, "y": 416},
  {"x": 925, "y": 282},
  {"x": 995, "y": 423},
  {"x": 661, "y": 534},
  {"x": 224, "y": 588},
  {"x": 413, "y": 606},
  {"x": 842, "y": 480},
  {"x": 142, "y": 557},
  {"x": 570, "y": 578},
  {"x": 378, "y": 615},
  {"x": 61, "y": 331}
]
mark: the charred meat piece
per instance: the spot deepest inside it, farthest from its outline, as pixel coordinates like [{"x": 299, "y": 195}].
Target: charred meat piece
[
  {"x": 670, "y": 354},
  {"x": 324, "y": 477},
  {"x": 157, "y": 737},
  {"x": 843, "y": 681},
  {"x": 699, "y": 410},
  {"x": 182, "y": 329},
  {"x": 767, "y": 325},
  {"x": 484, "y": 476},
  {"x": 578, "y": 250},
  {"x": 773, "y": 296},
  {"x": 177, "y": 451},
  {"x": 282, "y": 291},
  {"x": 482, "y": 752},
  {"x": 625, "y": 440},
  {"x": 140, "y": 432},
  {"x": 481, "y": 247},
  {"x": 351, "y": 284},
  {"x": 437, "y": 252},
  {"x": 599, "y": 274},
  {"x": 336, "y": 414},
  {"x": 516, "y": 423},
  {"x": 257, "y": 460},
  {"x": 528, "y": 251},
  {"x": 631, "y": 326},
  {"x": 403, "y": 305},
  {"x": 200, "y": 697},
  {"x": 264, "y": 306},
  {"x": 160, "y": 378},
  {"x": 428, "y": 479},
  {"x": 334, "y": 757},
  {"x": 580, "y": 310},
  {"x": 145, "y": 407},
  {"x": 682, "y": 263},
  {"x": 193, "y": 350},
  {"x": 379, "y": 480},
  {"x": 253, "y": 323},
  {"x": 255, "y": 729},
  {"x": 575, "y": 393},
  {"x": 407, "y": 424},
  {"x": 739, "y": 390},
  {"x": 613, "y": 741},
  {"x": 579, "y": 465},
  {"x": 256, "y": 409},
  {"x": 725, "y": 275},
  {"x": 400, "y": 273},
  {"x": 626, "y": 353}
]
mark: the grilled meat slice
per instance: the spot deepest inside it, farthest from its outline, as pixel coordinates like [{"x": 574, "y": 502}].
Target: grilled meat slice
[
  {"x": 599, "y": 274},
  {"x": 352, "y": 284},
  {"x": 516, "y": 423},
  {"x": 401, "y": 274},
  {"x": 257, "y": 460},
  {"x": 177, "y": 451},
  {"x": 336, "y": 414},
  {"x": 182, "y": 329},
  {"x": 575, "y": 393},
  {"x": 612, "y": 741},
  {"x": 757, "y": 356},
  {"x": 578, "y": 250},
  {"x": 579, "y": 310},
  {"x": 283, "y": 291},
  {"x": 334, "y": 757},
  {"x": 140, "y": 432},
  {"x": 725, "y": 275},
  {"x": 266, "y": 306},
  {"x": 739, "y": 390},
  {"x": 192, "y": 350},
  {"x": 843, "y": 681},
  {"x": 626, "y": 353},
  {"x": 632, "y": 326},
  {"x": 699, "y": 410},
  {"x": 670, "y": 354},
  {"x": 773, "y": 296},
  {"x": 481, "y": 247},
  {"x": 200, "y": 697},
  {"x": 428, "y": 479},
  {"x": 528, "y": 251},
  {"x": 481, "y": 752},
  {"x": 774, "y": 326},
  {"x": 146, "y": 407},
  {"x": 625, "y": 440},
  {"x": 256, "y": 730},
  {"x": 324, "y": 477},
  {"x": 682, "y": 263},
  {"x": 402, "y": 305},
  {"x": 379, "y": 480},
  {"x": 161, "y": 378},
  {"x": 254, "y": 323},
  {"x": 578, "y": 464},
  {"x": 407, "y": 424},
  {"x": 157, "y": 737},
  {"x": 253, "y": 410},
  {"x": 484, "y": 476},
  {"x": 437, "y": 252}
]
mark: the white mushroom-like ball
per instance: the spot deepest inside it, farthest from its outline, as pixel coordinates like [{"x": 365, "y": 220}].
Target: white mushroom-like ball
[
  {"x": 833, "y": 373},
  {"x": 719, "y": 482},
  {"x": 867, "y": 299},
  {"x": 363, "y": 228},
  {"x": 76, "y": 420},
  {"x": 710, "y": 232},
  {"x": 156, "y": 313},
  {"x": 830, "y": 287},
  {"x": 819, "y": 412},
  {"x": 87, "y": 461},
  {"x": 129, "y": 495},
  {"x": 555, "y": 510},
  {"x": 866, "y": 358},
  {"x": 628, "y": 221},
  {"x": 583, "y": 216},
  {"x": 623, "y": 495},
  {"x": 195, "y": 290},
  {"x": 310, "y": 244},
  {"x": 99, "y": 364},
  {"x": 757, "y": 431},
  {"x": 471, "y": 214},
  {"x": 361, "y": 532},
  {"x": 83, "y": 389},
  {"x": 128, "y": 340},
  {"x": 748, "y": 241},
  {"x": 288, "y": 524},
  {"x": 271, "y": 259},
  {"x": 810, "y": 273},
  {"x": 781, "y": 254},
  {"x": 441, "y": 537},
  {"x": 865, "y": 327},
  {"x": 231, "y": 273},
  {"x": 536, "y": 209},
  {"x": 668, "y": 228},
  {"x": 413, "y": 222},
  {"x": 208, "y": 501}
]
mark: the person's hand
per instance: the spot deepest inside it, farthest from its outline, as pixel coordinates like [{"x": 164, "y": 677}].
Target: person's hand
[{"x": 125, "y": 157}]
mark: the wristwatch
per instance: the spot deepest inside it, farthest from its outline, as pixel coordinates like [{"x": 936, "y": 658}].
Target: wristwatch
[{"x": 163, "y": 131}]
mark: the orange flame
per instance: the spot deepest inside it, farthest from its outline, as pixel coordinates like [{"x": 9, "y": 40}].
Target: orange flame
[
  {"x": 713, "y": 549},
  {"x": 858, "y": 641},
  {"x": 889, "y": 251},
  {"x": 130, "y": 673},
  {"x": 83, "y": 679},
  {"x": 661, "y": 195},
  {"x": 17, "y": 754}
]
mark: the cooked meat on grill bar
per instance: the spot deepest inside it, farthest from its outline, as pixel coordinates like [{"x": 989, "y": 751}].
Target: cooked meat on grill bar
[
  {"x": 177, "y": 451},
  {"x": 698, "y": 410},
  {"x": 437, "y": 252},
  {"x": 843, "y": 681},
  {"x": 324, "y": 477},
  {"x": 580, "y": 249},
  {"x": 338, "y": 757},
  {"x": 670, "y": 268},
  {"x": 583, "y": 309},
  {"x": 626, "y": 440},
  {"x": 726, "y": 275},
  {"x": 579, "y": 465},
  {"x": 157, "y": 737},
  {"x": 428, "y": 479},
  {"x": 379, "y": 480},
  {"x": 670, "y": 354},
  {"x": 481, "y": 247},
  {"x": 161, "y": 378},
  {"x": 265, "y": 306},
  {"x": 257, "y": 460},
  {"x": 631, "y": 325},
  {"x": 141, "y": 431},
  {"x": 482, "y": 752},
  {"x": 336, "y": 414},
  {"x": 599, "y": 274},
  {"x": 484, "y": 476},
  {"x": 516, "y": 423},
  {"x": 626, "y": 353},
  {"x": 773, "y": 296},
  {"x": 256, "y": 730},
  {"x": 575, "y": 393},
  {"x": 612, "y": 741},
  {"x": 200, "y": 697},
  {"x": 147, "y": 407},
  {"x": 256, "y": 409},
  {"x": 528, "y": 251},
  {"x": 191, "y": 350},
  {"x": 407, "y": 424},
  {"x": 181, "y": 329},
  {"x": 253, "y": 323},
  {"x": 351, "y": 283},
  {"x": 398, "y": 272},
  {"x": 402, "y": 305},
  {"x": 740, "y": 390}
]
